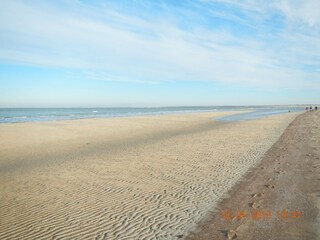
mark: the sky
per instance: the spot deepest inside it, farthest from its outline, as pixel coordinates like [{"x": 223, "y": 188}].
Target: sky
[{"x": 121, "y": 53}]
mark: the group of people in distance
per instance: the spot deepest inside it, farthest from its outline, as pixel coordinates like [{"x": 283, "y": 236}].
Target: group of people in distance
[{"x": 311, "y": 108}]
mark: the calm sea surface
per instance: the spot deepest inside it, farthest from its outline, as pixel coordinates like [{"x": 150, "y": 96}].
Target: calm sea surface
[{"x": 13, "y": 115}]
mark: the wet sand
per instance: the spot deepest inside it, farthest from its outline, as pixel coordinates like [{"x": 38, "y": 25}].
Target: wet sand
[
  {"x": 279, "y": 198},
  {"x": 150, "y": 177}
]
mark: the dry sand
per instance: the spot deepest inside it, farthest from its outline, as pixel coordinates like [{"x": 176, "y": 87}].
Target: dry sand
[
  {"x": 123, "y": 178},
  {"x": 286, "y": 181}
]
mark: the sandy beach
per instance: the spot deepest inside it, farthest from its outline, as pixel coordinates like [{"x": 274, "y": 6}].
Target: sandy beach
[
  {"x": 151, "y": 177},
  {"x": 279, "y": 198}
]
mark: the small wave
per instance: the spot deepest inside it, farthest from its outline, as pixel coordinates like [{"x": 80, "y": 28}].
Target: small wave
[{"x": 20, "y": 117}]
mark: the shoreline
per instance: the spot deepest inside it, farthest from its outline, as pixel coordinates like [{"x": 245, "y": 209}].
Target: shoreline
[
  {"x": 222, "y": 113},
  {"x": 283, "y": 188},
  {"x": 142, "y": 177},
  {"x": 21, "y": 115}
]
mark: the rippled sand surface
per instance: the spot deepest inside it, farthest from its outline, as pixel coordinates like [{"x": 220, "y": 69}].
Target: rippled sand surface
[{"x": 123, "y": 178}]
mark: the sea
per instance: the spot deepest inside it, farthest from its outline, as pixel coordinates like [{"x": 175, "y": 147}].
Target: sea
[{"x": 16, "y": 115}]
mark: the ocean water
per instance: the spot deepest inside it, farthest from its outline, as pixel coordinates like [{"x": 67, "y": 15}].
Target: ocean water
[{"x": 14, "y": 115}]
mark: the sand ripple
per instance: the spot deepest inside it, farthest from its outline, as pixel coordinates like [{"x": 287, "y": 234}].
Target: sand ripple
[{"x": 155, "y": 190}]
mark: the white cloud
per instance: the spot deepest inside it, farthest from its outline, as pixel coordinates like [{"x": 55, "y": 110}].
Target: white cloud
[
  {"x": 303, "y": 11},
  {"x": 307, "y": 11},
  {"x": 114, "y": 46}
]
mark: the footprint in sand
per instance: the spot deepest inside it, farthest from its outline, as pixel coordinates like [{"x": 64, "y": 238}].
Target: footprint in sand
[
  {"x": 280, "y": 172},
  {"x": 232, "y": 234},
  {"x": 270, "y": 186},
  {"x": 257, "y": 195},
  {"x": 255, "y": 205}
]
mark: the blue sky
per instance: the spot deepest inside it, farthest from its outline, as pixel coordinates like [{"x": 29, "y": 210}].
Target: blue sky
[{"x": 159, "y": 53}]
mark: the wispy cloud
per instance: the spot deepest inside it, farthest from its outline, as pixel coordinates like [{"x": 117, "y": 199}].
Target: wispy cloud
[
  {"x": 307, "y": 11},
  {"x": 271, "y": 44}
]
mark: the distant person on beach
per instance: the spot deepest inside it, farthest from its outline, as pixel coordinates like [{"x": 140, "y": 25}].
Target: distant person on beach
[
  {"x": 307, "y": 108},
  {"x": 310, "y": 108},
  {"x": 316, "y": 108}
]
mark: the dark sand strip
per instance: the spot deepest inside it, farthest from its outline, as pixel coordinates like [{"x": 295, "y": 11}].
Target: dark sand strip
[
  {"x": 286, "y": 180},
  {"x": 29, "y": 162}
]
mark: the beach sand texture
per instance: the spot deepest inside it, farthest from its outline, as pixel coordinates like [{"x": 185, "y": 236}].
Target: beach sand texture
[
  {"x": 150, "y": 177},
  {"x": 279, "y": 198}
]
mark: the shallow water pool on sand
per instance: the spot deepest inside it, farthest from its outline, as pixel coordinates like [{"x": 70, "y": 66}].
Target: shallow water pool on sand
[{"x": 258, "y": 113}]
